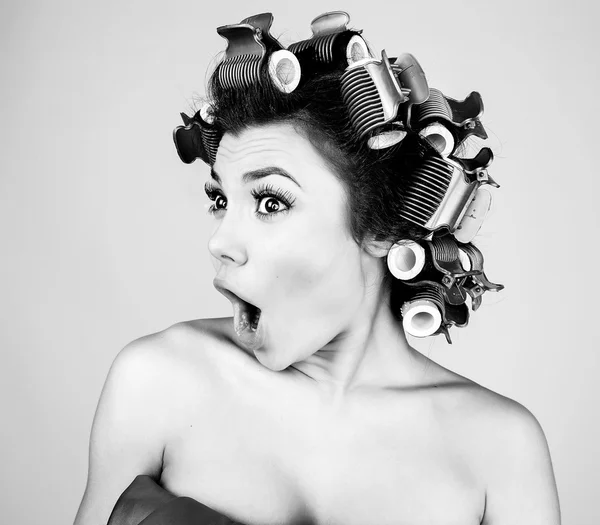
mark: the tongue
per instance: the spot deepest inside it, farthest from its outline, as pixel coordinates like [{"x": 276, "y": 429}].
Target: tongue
[{"x": 243, "y": 320}]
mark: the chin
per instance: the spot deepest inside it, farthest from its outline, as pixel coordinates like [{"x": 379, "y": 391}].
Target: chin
[{"x": 270, "y": 360}]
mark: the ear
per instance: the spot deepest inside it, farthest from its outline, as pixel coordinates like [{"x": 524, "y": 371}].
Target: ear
[{"x": 376, "y": 248}]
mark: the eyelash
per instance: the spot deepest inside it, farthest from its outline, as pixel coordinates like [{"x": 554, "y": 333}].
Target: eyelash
[{"x": 265, "y": 190}]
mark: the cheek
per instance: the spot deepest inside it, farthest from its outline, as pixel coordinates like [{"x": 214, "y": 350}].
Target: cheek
[{"x": 317, "y": 270}]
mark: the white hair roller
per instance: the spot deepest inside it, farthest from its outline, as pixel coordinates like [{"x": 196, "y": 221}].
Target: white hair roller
[
  {"x": 206, "y": 113},
  {"x": 439, "y": 137},
  {"x": 284, "y": 70},
  {"x": 357, "y": 50},
  {"x": 406, "y": 259},
  {"x": 421, "y": 318}
]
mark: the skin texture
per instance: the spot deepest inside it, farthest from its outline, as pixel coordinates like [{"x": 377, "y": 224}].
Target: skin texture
[
  {"x": 334, "y": 419},
  {"x": 317, "y": 289}
]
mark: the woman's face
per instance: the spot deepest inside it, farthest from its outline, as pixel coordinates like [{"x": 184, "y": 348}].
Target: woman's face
[{"x": 280, "y": 241}]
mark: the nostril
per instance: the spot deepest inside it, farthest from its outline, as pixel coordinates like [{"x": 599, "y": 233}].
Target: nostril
[
  {"x": 223, "y": 254},
  {"x": 228, "y": 246}
]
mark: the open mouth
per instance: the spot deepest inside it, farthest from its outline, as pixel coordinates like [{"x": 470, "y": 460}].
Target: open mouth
[{"x": 246, "y": 316}]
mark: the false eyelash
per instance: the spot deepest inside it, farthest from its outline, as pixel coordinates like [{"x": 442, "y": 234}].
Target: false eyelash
[
  {"x": 212, "y": 191},
  {"x": 265, "y": 190}
]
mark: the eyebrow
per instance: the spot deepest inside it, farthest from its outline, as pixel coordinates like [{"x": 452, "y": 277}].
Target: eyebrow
[{"x": 253, "y": 175}]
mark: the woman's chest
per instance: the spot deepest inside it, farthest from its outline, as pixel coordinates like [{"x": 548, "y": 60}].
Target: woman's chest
[{"x": 282, "y": 462}]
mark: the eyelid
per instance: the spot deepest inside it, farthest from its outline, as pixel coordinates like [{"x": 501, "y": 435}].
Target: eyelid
[
  {"x": 263, "y": 191},
  {"x": 212, "y": 190},
  {"x": 268, "y": 190}
]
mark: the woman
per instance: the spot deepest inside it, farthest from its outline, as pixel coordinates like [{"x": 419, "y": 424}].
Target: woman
[{"x": 343, "y": 219}]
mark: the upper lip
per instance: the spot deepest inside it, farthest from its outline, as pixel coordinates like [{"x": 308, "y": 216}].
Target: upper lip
[{"x": 226, "y": 290}]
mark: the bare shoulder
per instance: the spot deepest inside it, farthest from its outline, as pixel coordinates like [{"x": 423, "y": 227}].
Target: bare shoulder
[
  {"x": 202, "y": 342},
  {"x": 149, "y": 388},
  {"x": 195, "y": 339},
  {"x": 195, "y": 357},
  {"x": 507, "y": 445},
  {"x": 128, "y": 432},
  {"x": 490, "y": 412},
  {"x": 521, "y": 486},
  {"x": 495, "y": 422},
  {"x": 164, "y": 359}
]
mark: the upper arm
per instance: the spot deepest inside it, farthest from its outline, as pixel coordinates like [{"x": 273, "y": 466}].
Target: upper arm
[
  {"x": 521, "y": 488},
  {"x": 128, "y": 431}
]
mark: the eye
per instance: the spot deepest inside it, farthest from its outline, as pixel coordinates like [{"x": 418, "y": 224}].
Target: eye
[
  {"x": 220, "y": 200},
  {"x": 215, "y": 195},
  {"x": 275, "y": 201},
  {"x": 272, "y": 205},
  {"x": 272, "y": 198}
]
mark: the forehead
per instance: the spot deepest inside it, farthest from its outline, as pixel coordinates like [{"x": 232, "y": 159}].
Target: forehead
[{"x": 269, "y": 145}]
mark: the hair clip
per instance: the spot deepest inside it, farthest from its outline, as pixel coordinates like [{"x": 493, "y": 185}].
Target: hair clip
[
  {"x": 437, "y": 194},
  {"x": 188, "y": 141},
  {"x": 330, "y": 23},
  {"x": 440, "y": 195},
  {"x": 445, "y": 256},
  {"x": 477, "y": 283},
  {"x": 247, "y": 45},
  {"x": 480, "y": 204},
  {"x": 406, "y": 259},
  {"x": 461, "y": 118},
  {"x": 444, "y": 271},
  {"x": 454, "y": 315},
  {"x": 411, "y": 76},
  {"x": 373, "y": 95},
  {"x": 475, "y": 168},
  {"x": 198, "y": 138},
  {"x": 243, "y": 56},
  {"x": 461, "y": 266},
  {"x": 332, "y": 41},
  {"x": 474, "y": 215}
]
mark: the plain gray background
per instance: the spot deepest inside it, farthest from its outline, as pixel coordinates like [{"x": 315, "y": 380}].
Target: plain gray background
[{"x": 104, "y": 230}]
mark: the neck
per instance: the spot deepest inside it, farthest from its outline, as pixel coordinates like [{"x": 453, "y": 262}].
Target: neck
[{"x": 372, "y": 352}]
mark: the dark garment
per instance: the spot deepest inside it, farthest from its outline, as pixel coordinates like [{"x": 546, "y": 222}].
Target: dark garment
[{"x": 145, "y": 502}]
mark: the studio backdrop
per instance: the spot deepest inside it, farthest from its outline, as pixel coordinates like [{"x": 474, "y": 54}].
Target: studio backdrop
[{"x": 104, "y": 230}]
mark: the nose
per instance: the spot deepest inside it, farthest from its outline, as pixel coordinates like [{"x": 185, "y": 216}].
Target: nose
[{"x": 227, "y": 242}]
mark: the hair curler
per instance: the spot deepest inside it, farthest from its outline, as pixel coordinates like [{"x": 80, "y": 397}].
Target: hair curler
[
  {"x": 422, "y": 315},
  {"x": 406, "y": 259},
  {"x": 439, "y": 137},
  {"x": 284, "y": 70}
]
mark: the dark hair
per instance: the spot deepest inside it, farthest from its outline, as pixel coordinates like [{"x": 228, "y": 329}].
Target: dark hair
[
  {"x": 375, "y": 181},
  {"x": 385, "y": 189}
]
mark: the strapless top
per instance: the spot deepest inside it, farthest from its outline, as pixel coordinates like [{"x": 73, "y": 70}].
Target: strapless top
[{"x": 145, "y": 502}]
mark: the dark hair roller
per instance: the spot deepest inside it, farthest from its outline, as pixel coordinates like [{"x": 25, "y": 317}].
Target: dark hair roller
[{"x": 198, "y": 139}]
